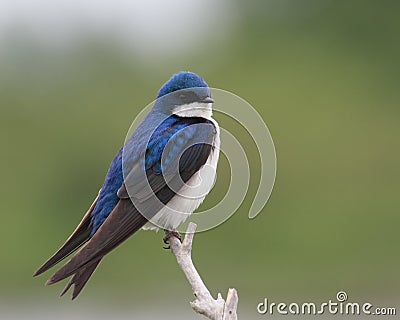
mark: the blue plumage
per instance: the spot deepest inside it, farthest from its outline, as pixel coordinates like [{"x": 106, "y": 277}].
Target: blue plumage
[
  {"x": 180, "y": 130},
  {"x": 108, "y": 198},
  {"x": 108, "y": 195},
  {"x": 182, "y": 80}
]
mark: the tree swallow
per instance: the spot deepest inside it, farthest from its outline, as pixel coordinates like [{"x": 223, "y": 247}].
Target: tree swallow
[{"x": 156, "y": 180}]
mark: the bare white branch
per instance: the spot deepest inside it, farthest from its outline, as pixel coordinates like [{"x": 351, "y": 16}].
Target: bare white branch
[{"x": 205, "y": 304}]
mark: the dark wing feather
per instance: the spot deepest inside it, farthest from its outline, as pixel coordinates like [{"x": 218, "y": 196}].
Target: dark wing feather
[
  {"x": 77, "y": 239},
  {"x": 125, "y": 219},
  {"x": 194, "y": 153}
]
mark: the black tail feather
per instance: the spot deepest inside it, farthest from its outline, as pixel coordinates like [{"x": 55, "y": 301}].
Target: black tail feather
[{"x": 80, "y": 278}]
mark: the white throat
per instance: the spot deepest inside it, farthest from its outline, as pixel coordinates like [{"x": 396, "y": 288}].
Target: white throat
[{"x": 194, "y": 109}]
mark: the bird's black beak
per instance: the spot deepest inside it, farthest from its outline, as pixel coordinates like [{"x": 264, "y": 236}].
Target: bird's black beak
[{"x": 207, "y": 100}]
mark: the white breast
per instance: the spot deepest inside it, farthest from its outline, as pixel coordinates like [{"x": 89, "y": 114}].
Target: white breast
[{"x": 189, "y": 199}]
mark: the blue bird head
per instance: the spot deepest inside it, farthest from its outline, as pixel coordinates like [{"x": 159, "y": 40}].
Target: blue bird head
[
  {"x": 182, "y": 80},
  {"x": 184, "y": 91}
]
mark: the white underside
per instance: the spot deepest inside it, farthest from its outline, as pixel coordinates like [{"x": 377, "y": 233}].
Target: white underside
[{"x": 181, "y": 206}]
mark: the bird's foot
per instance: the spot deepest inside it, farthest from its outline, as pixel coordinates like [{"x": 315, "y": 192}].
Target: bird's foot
[{"x": 168, "y": 235}]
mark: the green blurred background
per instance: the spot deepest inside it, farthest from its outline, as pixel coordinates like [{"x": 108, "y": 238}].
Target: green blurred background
[{"x": 324, "y": 75}]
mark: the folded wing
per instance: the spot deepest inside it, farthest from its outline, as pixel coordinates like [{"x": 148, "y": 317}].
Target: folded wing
[{"x": 125, "y": 219}]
